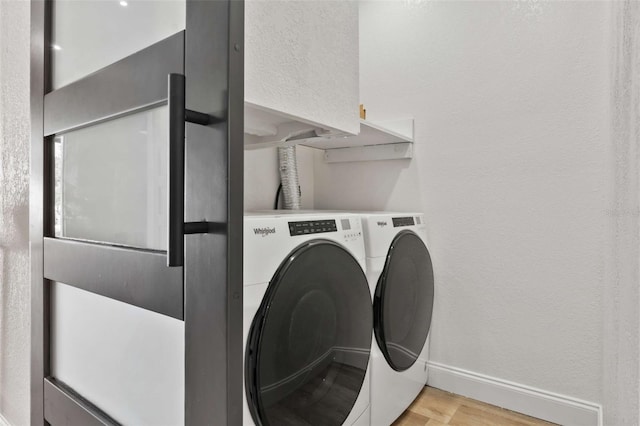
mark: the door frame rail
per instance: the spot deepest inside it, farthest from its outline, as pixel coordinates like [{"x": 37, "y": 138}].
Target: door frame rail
[
  {"x": 137, "y": 277},
  {"x": 62, "y": 405},
  {"x": 114, "y": 90}
]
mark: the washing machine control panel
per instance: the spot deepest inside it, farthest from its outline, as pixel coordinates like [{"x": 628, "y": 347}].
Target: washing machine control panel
[{"x": 312, "y": 227}]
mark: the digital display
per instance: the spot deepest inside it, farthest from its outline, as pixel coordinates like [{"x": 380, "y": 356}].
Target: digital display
[
  {"x": 403, "y": 221},
  {"x": 346, "y": 225},
  {"x": 312, "y": 227}
]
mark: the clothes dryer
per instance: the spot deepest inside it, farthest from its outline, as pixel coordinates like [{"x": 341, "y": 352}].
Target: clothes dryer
[
  {"x": 400, "y": 276},
  {"x": 308, "y": 320}
]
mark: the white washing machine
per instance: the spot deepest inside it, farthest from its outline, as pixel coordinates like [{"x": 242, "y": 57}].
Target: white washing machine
[
  {"x": 308, "y": 320},
  {"x": 400, "y": 276}
]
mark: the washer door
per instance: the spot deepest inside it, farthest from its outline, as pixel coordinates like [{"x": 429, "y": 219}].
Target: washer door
[
  {"x": 403, "y": 301},
  {"x": 309, "y": 343}
]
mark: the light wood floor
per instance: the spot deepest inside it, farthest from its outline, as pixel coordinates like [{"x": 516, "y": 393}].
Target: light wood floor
[{"x": 434, "y": 407}]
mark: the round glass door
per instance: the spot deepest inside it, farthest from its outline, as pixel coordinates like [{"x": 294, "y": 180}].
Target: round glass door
[
  {"x": 309, "y": 343},
  {"x": 403, "y": 301}
]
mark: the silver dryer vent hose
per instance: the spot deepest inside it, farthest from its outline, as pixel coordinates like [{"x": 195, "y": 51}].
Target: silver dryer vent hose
[{"x": 289, "y": 177}]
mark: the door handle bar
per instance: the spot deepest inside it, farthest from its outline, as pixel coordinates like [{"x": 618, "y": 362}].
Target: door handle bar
[{"x": 178, "y": 115}]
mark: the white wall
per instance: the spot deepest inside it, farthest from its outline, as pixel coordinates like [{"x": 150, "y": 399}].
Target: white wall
[
  {"x": 301, "y": 58},
  {"x": 14, "y": 212},
  {"x": 511, "y": 107},
  {"x": 621, "y": 385}
]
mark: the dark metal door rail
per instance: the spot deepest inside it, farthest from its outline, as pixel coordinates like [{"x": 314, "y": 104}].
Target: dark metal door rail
[{"x": 205, "y": 288}]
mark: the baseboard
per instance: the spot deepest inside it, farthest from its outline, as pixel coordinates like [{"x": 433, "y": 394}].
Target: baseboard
[{"x": 534, "y": 402}]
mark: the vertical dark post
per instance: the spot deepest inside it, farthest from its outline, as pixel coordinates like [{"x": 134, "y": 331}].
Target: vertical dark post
[
  {"x": 214, "y": 70},
  {"x": 38, "y": 206},
  {"x": 236, "y": 210},
  {"x": 175, "y": 187}
]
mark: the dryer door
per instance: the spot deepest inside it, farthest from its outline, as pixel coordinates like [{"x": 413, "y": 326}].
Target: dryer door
[
  {"x": 403, "y": 301},
  {"x": 309, "y": 343}
]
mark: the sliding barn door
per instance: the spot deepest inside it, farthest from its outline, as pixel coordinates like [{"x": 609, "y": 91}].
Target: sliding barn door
[{"x": 136, "y": 211}]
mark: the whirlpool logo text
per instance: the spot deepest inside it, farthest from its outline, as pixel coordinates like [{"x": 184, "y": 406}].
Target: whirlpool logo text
[{"x": 264, "y": 231}]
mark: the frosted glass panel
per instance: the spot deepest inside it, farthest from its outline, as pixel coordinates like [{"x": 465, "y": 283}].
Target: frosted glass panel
[
  {"x": 126, "y": 360},
  {"x": 91, "y": 34},
  {"x": 111, "y": 181}
]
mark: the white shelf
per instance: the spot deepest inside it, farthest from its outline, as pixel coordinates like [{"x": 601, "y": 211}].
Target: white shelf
[
  {"x": 400, "y": 131},
  {"x": 265, "y": 128},
  {"x": 389, "y": 151}
]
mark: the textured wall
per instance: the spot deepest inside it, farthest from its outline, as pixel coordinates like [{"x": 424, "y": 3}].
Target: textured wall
[
  {"x": 14, "y": 209},
  {"x": 622, "y": 295},
  {"x": 302, "y": 58},
  {"x": 511, "y": 107}
]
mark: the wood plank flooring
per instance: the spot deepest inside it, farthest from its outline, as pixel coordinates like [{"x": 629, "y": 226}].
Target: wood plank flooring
[{"x": 434, "y": 407}]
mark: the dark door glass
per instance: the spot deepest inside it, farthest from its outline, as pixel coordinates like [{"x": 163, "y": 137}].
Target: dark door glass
[
  {"x": 309, "y": 343},
  {"x": 403, "y": 301}
]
